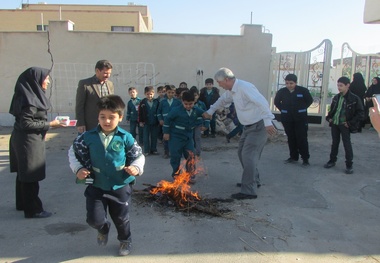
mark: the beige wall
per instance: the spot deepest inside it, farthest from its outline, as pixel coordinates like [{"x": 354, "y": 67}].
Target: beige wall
[
  {"x": 27, "y": 18},
  {"x": 175, "y": 58}
]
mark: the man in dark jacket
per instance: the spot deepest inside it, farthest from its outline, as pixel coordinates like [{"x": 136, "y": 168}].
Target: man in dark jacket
[
  {"x": 89, "y": 92},
  {"x": 345, "y": 114},
  {"x": 209, "y": 95},
  {"x": 293, "y": 101}
]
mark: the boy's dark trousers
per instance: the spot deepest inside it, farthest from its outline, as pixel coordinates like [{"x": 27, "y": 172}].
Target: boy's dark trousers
[
  {"x": 133, "y": 125},
  {"x": 179, "y": 147},
  {"x": 212, "y": 126},
  {"x": 336, "y": 131},
  {"x": 296, "y": 131},
  {"x": 97, "y": 204},
  {"x": 150, "y": 137}
]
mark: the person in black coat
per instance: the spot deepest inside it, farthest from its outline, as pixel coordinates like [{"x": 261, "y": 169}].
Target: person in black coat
[
  {"x": 27, "y": 142},
  {"x": 293, "y": 101},
  {"x": 357, "y": 86},
  {"x": 345, "y": 114},
  {"x": 372, "y": 90}
]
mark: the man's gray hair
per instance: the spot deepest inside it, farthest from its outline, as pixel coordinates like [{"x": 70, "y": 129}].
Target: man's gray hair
[{"x": 224, "y": 73}]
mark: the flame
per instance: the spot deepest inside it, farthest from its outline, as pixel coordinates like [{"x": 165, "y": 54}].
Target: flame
[{"x": 180, "y": 190}]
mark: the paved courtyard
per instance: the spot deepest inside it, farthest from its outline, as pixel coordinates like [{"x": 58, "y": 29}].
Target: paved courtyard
[{"x": 301, "y": 215}]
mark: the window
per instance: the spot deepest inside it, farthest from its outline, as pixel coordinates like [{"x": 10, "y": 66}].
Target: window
[
  {"x": 122, "y": 28},
  {"x": 39, "y": 28}
]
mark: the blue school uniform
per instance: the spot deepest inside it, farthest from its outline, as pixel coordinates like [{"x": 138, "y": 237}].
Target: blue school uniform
[
  {"x": 179, "y": 124},
  {"x": 148, "y": 116},
  {"x": 132, "y": 117},
  {"x": 163, "y": 110}
]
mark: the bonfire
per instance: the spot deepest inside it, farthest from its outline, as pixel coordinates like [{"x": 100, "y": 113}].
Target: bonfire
[{"x": 178, "y": 193}]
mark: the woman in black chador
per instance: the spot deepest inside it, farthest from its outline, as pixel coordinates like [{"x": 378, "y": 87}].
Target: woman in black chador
[
  {"x": 357, "y": 86},
  {"x": 27, "y": 143}
]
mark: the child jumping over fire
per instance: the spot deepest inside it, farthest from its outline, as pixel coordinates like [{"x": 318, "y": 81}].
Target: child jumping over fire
[
  {"x": 112, "y": 157},
  {"x": 178, "y": 130}
]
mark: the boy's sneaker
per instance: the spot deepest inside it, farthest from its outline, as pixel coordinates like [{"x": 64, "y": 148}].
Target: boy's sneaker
[
  {"x": 125, "y": 248},
  {"x": 349, "y": 170},
  {"x": 329, "y": 164},
  {"x": 102, "y": 239},
  {"x": 192, "y": 179},
  {"x": 290, "y": 160}
]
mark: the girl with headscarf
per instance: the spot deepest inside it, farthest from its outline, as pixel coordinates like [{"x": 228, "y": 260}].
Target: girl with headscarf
[
  {"x": 372, "y": 90},
  {"x": 27, "y": 143},
  {"x": 358, "y": 87}
]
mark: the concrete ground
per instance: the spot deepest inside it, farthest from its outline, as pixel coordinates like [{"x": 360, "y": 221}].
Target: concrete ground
[{"x": 302, "y": 214}]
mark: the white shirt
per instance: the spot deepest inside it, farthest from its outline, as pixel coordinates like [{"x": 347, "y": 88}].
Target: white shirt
[{"x": 250, "y": 104}]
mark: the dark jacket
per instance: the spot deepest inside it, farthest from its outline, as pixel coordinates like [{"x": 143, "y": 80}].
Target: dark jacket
[
  {"x": 354, "y": 110},
  {"x": 132, "y": 109},
  {"x": 87, "y": 97},
  {"x": 147, "y": 114},
  {"x": 209, "y": 99},
  {"x": 293, "y": 105},
  {"x": 27, "y": 145}
]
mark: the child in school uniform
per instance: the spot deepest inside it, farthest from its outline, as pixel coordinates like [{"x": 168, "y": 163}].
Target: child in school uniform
[
  {"x": 132, "y": 114},
  {"x": 161, "y": 91},
  {"x": 197, "y": 129},
  {"x": 148, "y": 120},
  {"x": 178, "y": 130},
  {"x": 163, "y": 109},
  {"x": 112, "y": 157}
]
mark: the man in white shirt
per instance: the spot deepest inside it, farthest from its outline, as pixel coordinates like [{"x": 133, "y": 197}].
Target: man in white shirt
[{"x": 254, "y": 113}]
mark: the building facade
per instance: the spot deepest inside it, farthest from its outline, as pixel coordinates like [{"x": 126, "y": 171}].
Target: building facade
[
  {"x": 103, "y": 18},
  {"x": 139, "y": 59}
]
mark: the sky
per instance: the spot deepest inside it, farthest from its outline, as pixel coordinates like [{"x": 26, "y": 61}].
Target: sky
[{"x": 297, "y": 25}]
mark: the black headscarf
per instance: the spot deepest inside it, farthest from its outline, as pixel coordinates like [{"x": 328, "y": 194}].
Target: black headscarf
[{"x": 29, "y": 92}]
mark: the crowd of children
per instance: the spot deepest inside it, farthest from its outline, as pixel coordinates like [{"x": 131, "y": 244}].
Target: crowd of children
[{"x": 146, "y": 117}]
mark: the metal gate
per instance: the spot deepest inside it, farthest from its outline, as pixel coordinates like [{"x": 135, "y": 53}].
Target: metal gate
[
  {"x": 312, "y": 69},
  {"x": 352, "y": 62}
]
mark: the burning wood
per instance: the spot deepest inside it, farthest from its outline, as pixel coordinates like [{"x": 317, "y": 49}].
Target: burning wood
[{"x": 178, "y": 194}]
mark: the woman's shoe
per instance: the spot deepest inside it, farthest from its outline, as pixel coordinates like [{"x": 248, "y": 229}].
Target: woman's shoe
[{"x": 43, "y": 214}]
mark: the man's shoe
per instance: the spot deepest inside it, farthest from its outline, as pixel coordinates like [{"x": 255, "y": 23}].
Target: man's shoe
[
  {"x": 146, "y": 154},
  {"x": 125, "y": 248},
  {"x": 290, "y": 160},
  {"x": 43, "y": 214},
  {"x": 305, "y": 163},
  {"x": 329, "y": 164},
  {"x": 204, "y": 136},
  {"x": 154, "y": 153},
  {"x": 166, "y": 156},
  {"x": 239, "y": 185},
  {"x": 212, "y": 135},
  {"x": 241, "y": 196},
  {"x": 349, "y": 170}
]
